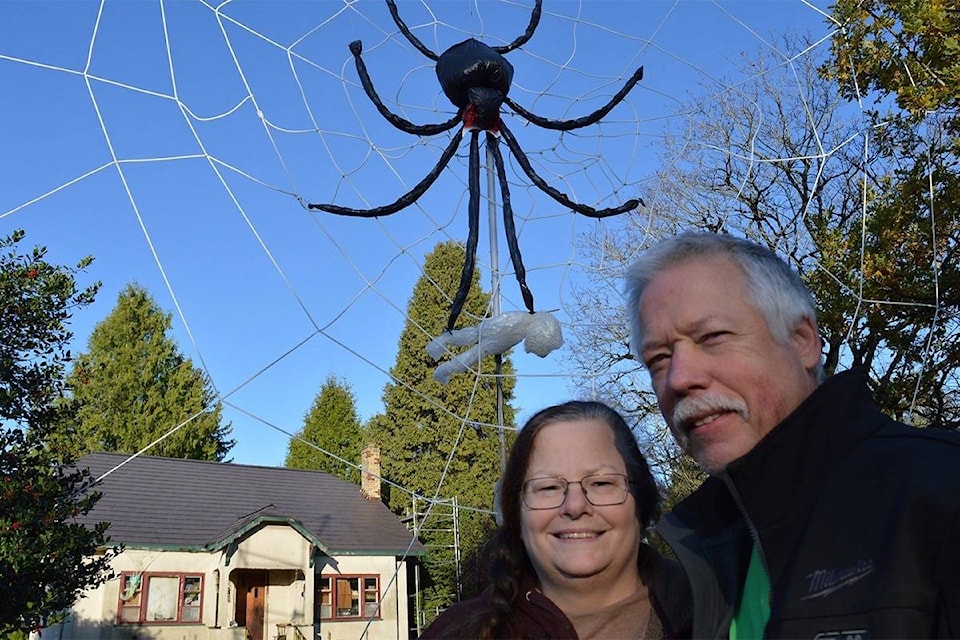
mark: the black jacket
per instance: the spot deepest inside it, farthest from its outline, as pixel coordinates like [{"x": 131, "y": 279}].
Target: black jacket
[
  {"x": 536, "y": 617},
  {"x": 857, "y": 518}
]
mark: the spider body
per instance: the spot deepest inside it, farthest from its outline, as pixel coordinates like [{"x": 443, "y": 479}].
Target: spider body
[
  {"x": 476, "y": 78},
  {"x": 470, "y": 64}
]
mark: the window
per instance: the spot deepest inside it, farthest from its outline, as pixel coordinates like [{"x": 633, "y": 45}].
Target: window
[
  {"x": 341, "y": 597},
  {"x": 160, "y": 598}
]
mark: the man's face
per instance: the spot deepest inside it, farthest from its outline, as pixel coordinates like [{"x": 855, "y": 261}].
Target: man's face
[{"x": 721, "y": 378}]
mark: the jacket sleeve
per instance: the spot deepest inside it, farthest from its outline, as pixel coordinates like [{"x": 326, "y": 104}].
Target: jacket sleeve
[{"x": 948, "y": 622}]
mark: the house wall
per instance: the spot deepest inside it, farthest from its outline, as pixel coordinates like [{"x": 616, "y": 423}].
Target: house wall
[
  {"x": 283, "y": 554},
  {"x": 394, "y": 610},
  {"x": 94, "y": 616}
]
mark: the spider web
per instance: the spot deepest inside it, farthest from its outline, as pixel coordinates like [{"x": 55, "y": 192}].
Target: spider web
[{"x": 178, "y": 142}]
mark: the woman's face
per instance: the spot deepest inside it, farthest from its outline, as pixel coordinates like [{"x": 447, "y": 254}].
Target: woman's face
[{"x": 578, "y": 545}]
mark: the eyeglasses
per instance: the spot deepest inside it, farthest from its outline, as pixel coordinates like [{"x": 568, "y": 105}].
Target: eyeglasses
[{"x": 600, "y": 490}]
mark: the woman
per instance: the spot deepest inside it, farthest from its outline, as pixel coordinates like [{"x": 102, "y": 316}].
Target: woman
[{"x": 569, "y": 560}]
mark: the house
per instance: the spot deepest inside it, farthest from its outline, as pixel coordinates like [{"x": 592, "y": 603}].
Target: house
[{"x": 227, "y": 551}]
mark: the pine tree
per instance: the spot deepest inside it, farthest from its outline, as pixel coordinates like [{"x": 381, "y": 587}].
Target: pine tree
[
  {"x": 332, "y": 425},
  {"x": 431, "y": 432},
  {"x": 135, "y": 386},
  {"x": 46, "y": 558}
]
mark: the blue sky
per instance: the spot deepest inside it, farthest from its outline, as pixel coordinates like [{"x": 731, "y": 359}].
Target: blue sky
[{"x": 174, "y": 142}]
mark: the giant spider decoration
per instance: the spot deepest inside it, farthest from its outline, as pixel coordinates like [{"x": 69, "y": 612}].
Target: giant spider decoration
[{"x": 476, "y": 78}]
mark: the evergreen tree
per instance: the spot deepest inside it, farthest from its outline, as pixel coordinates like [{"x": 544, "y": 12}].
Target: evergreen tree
[
  {"x": 442, "y": 440},
  {"x": 333, "y": 427},
  {"x": 46, "y": 558},
  {"x": 135, "y": 386}
]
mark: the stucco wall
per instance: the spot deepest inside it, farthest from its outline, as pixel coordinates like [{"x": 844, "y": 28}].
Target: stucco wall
[
  {"x": 393, "y": 610},
  {"x": 279, "y": 550}
]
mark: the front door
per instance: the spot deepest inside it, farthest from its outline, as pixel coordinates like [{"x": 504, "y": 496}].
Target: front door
[{"x": 251, "y": 598}]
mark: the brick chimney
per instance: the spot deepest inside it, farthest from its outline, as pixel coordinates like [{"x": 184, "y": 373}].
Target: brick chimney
[{"x": 370, "y": 472}]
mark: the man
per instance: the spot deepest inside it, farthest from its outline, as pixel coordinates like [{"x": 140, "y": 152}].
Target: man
[{"x": 822, "y": 517}]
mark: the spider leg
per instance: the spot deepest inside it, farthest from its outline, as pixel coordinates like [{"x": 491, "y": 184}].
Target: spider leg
[
  {"x": 560, "y": 197},
  {"x": 356, "y": 48},
  {"x": 576, "y": 123},
  {"x": 509, "y": 227},
  {"x": 522, "y": 39},
  {"x": 406, "y": 199},
  {"x": 405, "y": 30},
  {"x": 422, "y": 48},
  {"x": 473, "y": 210}
]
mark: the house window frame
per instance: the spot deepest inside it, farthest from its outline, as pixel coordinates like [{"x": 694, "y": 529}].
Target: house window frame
[
  {"x": 329, "y": 590},
  {"x": 190, "y": 584}
]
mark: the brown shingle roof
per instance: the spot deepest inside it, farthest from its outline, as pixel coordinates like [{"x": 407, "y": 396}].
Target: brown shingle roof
[{"x": 169, "y": 502}]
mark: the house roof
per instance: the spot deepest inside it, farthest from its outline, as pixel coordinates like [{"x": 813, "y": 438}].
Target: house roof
[{"x": 190, "y": 504}]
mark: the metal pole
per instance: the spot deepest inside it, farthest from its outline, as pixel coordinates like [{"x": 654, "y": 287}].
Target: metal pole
[
  {"x": 418, "y": 604},
  {"x": 495, "y": 293},
  {"x": 456, "y": 545}
]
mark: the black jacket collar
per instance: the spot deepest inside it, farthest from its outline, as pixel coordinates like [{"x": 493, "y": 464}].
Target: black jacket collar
[{"x": 780, "y": 478}]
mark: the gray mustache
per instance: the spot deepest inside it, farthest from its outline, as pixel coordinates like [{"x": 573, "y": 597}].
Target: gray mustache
[{"x": 704, "y": 404}]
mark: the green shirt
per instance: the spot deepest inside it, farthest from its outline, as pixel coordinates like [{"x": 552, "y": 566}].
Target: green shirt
[{"x": 753, "y": 610}]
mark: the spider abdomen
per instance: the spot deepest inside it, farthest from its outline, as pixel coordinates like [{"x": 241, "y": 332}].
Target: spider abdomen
[{"x": 472, "y": 64}]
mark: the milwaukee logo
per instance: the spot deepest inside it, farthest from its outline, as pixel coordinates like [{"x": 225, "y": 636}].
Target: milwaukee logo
[
  {"x": 851, "y": 634},
  {"x": 823, "y": 582}
]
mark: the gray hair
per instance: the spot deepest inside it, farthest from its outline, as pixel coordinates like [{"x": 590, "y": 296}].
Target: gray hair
[{"x": 776, "y": 290}]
